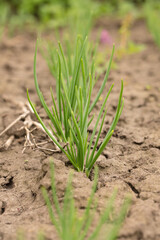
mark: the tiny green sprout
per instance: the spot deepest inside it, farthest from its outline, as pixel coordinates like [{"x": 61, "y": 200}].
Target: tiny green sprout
[
  {"x": 148, "y": 87},
  {"x": 71, "y": 113}
]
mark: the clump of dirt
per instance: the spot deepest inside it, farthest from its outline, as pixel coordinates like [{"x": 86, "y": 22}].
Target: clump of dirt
[{"x": 129, "y": 162}]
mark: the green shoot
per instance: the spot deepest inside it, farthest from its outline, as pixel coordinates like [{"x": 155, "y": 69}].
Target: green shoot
[
  {"x": 71, "y": 112},
  {"x": 69, "y": 225}
]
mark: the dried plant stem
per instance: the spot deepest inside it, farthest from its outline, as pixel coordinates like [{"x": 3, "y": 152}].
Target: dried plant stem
[
  {"x": 7, "y": 144},
  {"x": 28, "y": 123},
  {"x": 22, "y": 116}
]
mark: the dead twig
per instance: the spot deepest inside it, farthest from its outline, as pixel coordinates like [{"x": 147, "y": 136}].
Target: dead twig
[
  {"x": 28, "y": 123},
  {"x": 22, "y": 116},
  {"x": 7, "y": 144}
]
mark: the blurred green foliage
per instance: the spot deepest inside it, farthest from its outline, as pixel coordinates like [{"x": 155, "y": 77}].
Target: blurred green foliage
[
  {"x": 77, "y": 14},
  {"x": 57, "y": 13},
  {"x": 152, "y": 14},
  {"x": 17, "y": 12},
  {"x": 48, "y": 13}
]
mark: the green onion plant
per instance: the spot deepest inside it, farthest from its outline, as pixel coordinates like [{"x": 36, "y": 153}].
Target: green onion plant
[
  {"x": 70, "y": 226},
  {"x": 71, "y": 113}
]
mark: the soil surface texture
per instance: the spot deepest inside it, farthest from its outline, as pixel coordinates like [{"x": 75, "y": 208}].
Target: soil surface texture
[{"x": 130, "y": 162}]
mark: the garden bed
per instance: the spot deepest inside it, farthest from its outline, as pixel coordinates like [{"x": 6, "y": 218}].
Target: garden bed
[{"x": 130, "y": 161}]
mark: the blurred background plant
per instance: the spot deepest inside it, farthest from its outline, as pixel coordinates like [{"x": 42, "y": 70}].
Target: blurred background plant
[
  {"x": 152, "y": 14},
  {"x": 56, "y": 13},
  {"x": 46, "y": 13},
  {"x": 78, "y": 16},
  {"x": 126, "y": 46}
]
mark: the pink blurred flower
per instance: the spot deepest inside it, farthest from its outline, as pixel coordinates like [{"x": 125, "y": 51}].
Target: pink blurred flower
[{"x": 106, "y": 38}]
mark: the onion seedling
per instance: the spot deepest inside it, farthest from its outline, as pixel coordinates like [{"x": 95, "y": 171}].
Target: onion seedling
[
  {"x": 70, "y": 226},
  {"x": 72, "y": 108}
]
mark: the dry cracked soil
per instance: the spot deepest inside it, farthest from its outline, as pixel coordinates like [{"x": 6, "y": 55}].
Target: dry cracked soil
[{"x": 130, "y": 162}]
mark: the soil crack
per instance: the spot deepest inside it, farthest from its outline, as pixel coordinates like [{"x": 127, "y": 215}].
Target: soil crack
[
  {"x": 154, "y": 146},
  {"x": 2, "y": 207},
  {"x": 133, "y": 188},
  {"x": 137, "y": 234}
]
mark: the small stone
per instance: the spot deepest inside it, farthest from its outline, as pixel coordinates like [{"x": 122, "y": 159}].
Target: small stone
[{"x": 138, "y": 140}]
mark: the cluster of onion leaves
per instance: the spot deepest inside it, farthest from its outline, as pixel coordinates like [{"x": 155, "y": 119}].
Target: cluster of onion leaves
[
  {"x": 70, "y": 225},
  {"x": 71, "y": 113}
]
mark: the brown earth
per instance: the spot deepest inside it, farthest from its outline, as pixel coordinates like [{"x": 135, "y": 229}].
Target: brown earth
[{"x": 131, "y": 161}]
